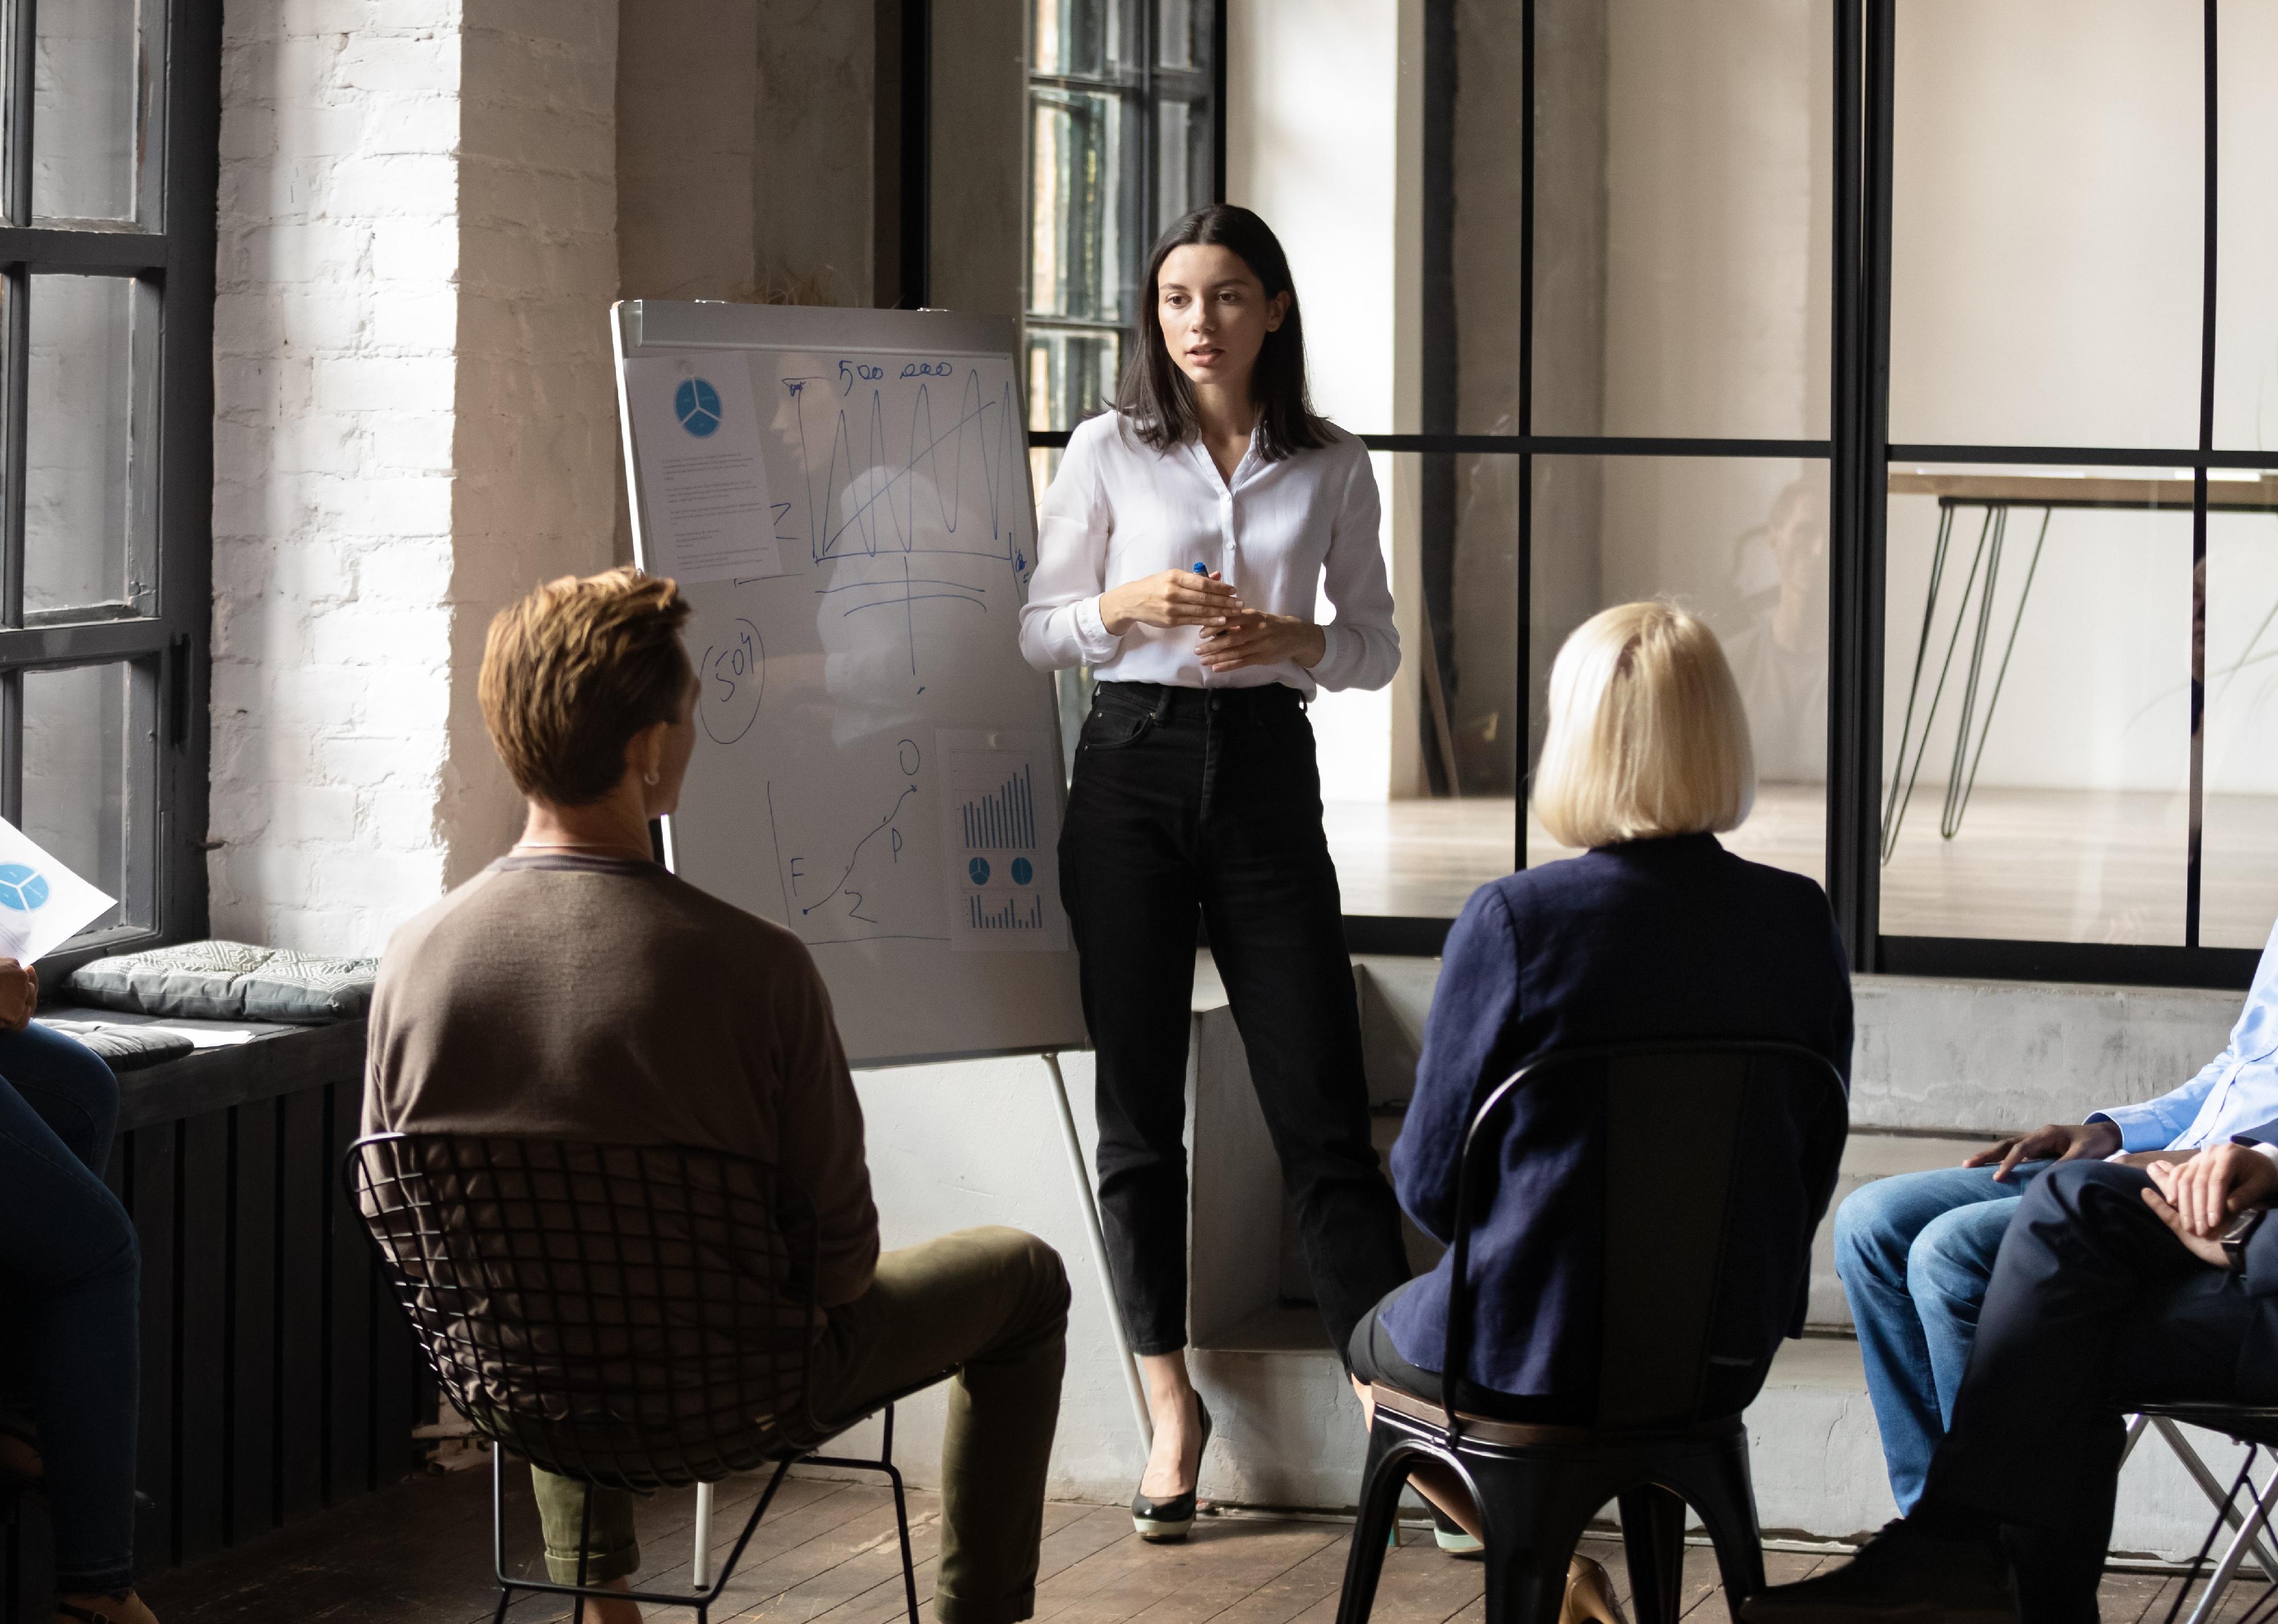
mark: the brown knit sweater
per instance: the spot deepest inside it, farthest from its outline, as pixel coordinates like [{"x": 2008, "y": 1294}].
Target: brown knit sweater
[{"x": 589, "y": 998}]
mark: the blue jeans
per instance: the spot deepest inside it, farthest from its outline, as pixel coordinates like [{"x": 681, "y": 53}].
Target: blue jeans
[
  {"x": 70, "y": 1273},
  {"x": 1914, "y": 1254}
]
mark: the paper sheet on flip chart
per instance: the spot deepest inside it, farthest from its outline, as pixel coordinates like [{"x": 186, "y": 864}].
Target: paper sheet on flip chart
[
  {"x": 1000, "y": 842},
  {"x": 704, "y": 484},
  {"x": 42, "y": 904}
]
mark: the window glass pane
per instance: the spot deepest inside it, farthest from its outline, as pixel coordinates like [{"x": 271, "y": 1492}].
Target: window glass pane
[
  {"x": 2050, "y": 610},
  {"x": 1087, "y": 38},
  {"x": 2246, "y": 265},
  {"x": 1479, "y": 329},
  {"x": 1183, "y": 35},
  {"x": 1183, "y": 160},
  {"x": 1403, "y": 844},
  {"x": 1684, "y": 165},
  {"x": 2046, "y": 243},
  {"x": 86, "y": 779},
  {"x": 2238, "y": 888},
  {"x": 78, "y": 502},
  {"x": 1083, "y": 205},
  {"x": 86, "y": 110},
  {"x": 1740, "y": 542}
]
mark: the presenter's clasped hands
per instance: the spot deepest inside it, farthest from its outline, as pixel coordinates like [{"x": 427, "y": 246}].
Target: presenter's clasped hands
[
  {"x": 1167, "y": 598},
  {"x": 1252, "y": 637}
]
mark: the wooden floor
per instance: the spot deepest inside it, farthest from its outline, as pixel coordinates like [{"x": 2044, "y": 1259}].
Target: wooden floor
[
  {"x": 2037, "y": 865},
  {"x": 420, "y": 1554}
]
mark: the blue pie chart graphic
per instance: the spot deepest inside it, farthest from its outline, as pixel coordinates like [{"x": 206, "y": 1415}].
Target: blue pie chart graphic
[
  {"x": 979, "y": 868},
  {"x": 696, "y": 404},
  {"x": 1023, "y": 871},
  {"x": 21, "y": 888}
]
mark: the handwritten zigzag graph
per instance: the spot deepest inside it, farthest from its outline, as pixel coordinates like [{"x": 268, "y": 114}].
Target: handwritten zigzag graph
[{"x": 952, "y": 494}]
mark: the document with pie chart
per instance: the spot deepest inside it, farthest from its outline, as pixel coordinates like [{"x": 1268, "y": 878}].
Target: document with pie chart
[
  {"x": 706, "y": 485},
  {"x": 42, "y": 904},
  {"x": 1000, "y": 842}
]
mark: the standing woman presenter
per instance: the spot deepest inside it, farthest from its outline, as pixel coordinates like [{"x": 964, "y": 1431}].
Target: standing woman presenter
[{"x": 1181, "y": 551}]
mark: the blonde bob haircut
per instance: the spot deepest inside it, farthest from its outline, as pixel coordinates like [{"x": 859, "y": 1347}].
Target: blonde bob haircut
[{"x": 1648, "y": 737}]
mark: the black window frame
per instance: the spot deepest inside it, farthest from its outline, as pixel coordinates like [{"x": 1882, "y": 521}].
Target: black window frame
[
  {"x": 175, "y": 263},
  {"x": 1860, "y": 454}
]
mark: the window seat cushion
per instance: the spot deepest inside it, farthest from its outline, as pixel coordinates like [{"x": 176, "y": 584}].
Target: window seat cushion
[{"x": 228, "y": 981}]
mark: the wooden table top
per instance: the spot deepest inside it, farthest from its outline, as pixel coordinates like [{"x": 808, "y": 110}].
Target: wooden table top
[{"x": 2096, "y": 491}]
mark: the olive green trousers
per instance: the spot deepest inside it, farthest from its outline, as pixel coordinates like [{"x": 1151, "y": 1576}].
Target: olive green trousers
[{"x": 991, "y": 1302}]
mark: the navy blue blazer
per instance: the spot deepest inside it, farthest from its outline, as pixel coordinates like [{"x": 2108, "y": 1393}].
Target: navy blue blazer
[{"x": 1663, "y": 938}]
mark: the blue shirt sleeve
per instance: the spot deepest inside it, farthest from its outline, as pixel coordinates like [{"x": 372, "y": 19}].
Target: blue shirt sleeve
[
  {"x": 1466, "y": 1040},
  {"x": 2155, "y": 1125}
]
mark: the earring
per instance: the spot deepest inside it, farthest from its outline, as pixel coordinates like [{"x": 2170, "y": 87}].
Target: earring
[{"x": 648, "y": 777}]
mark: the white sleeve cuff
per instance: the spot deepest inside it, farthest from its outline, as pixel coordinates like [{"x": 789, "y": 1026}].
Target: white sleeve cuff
[
  {"x": 1095, "y": 641},
  {"x": 2263, "y": 1147}
]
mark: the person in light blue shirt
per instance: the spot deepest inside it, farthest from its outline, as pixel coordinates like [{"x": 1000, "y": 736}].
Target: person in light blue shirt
[{"x": 1915, "y": 1253}]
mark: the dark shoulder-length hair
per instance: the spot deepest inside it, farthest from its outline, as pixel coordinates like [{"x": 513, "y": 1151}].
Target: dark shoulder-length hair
[{"x": 1157, "y": 400}]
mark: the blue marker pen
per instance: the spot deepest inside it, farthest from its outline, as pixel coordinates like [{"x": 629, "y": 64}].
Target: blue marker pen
[{"x": 1202, "y": 569}]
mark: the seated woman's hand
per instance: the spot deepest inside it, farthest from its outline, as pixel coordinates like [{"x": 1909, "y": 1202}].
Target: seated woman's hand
[{"x": 19, "y": 994}]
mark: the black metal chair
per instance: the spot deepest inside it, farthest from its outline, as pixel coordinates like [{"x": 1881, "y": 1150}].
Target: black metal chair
[
  {"x": 1683, "y": 1127},
  {"x": 2256, "y": 1427},
  {"x": 631, "y": 1317}
]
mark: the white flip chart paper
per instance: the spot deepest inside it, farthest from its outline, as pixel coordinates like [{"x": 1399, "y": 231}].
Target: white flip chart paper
[
  {"x": 698, "y": 435},
  {"x": 42, "y": 904}
]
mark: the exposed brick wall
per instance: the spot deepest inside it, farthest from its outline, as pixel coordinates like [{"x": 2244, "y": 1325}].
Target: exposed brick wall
[{"x": 412, "y": 399}]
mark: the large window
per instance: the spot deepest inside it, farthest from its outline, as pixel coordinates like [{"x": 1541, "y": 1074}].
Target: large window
[
  {"x": 1928, "y": 350},
  {"x": 1122, "y": 140},
  {"x": 106, "y": 321}
]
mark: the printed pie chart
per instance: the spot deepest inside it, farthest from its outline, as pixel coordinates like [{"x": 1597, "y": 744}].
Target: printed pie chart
[
  {"x": 22, "y": 888},
  {"x": 696, "y": 404},
  {"x": 978, "y": 869}
]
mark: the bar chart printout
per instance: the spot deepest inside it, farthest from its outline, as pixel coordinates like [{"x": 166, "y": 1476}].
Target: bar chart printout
[
  {"x": 1007, "y": 820},
  {"x": 1000, "y": 838}
]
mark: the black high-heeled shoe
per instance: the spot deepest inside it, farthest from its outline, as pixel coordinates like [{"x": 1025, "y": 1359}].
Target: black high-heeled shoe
[{"x": 1164, "y": 1522}]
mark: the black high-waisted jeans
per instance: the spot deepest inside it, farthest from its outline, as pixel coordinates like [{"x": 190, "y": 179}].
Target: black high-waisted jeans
[{"x": 1209, "y": 799}]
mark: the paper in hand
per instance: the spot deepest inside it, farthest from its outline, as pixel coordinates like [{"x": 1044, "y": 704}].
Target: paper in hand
[{"x": 42, "y": 904}]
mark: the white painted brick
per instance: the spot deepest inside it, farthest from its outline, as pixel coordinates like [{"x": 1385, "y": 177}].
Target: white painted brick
[
  {"x": 391, "y": 383},
  {"x": 418, "y": 252}
]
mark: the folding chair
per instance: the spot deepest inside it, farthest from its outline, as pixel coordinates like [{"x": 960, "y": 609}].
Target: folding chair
[{"x": 2256, "y": 1428}]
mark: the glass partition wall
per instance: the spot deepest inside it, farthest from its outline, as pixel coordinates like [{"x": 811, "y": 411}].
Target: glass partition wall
[{"x": 1927, "y": 349}]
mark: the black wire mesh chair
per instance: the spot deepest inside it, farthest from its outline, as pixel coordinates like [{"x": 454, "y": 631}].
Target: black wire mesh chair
[
  {"x": 630, "y": 1317},
  {"x": 1708, "y": 1152}
]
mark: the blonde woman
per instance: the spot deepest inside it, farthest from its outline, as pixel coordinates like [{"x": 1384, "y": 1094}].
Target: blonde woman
[{"x": 1655, "y": 932}]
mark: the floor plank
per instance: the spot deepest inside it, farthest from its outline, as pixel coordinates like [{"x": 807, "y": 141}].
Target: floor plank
[{"x": 827, "y": 1553}]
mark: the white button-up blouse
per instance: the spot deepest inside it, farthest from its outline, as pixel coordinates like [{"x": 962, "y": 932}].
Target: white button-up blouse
[{"x": 1278, "y": 531}]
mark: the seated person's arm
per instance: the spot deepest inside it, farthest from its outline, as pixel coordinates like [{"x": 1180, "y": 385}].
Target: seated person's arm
[
  {"x": 820, "y": 1129},
  {"x": 1466, "y": 1053},
  {"x": 2144, "y": 1130},
  {"x": 2057, "y": 1142}
]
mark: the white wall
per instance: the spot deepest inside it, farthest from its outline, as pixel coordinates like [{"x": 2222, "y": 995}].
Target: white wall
[
  {"x": 1320, "y": 141},
  {"x": 412, "y": 421}
]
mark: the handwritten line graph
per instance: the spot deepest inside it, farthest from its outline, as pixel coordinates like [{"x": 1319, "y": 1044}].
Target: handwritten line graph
[{"x": 886, "y": 514}]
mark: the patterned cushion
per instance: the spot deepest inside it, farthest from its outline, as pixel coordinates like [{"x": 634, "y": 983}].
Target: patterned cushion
[
  {"x": 125, "y": 1048},
  {"x": 229, "y": 981}
]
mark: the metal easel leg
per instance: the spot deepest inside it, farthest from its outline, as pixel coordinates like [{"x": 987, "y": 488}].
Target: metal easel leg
[
  {"x": 1098, "y": 1237},
  {"x": 700, "y": 1567}
]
